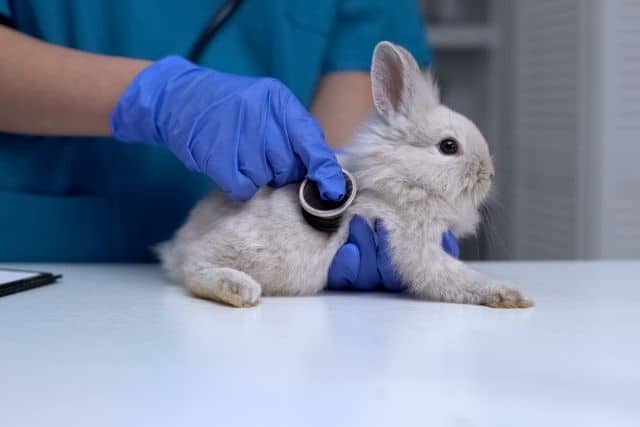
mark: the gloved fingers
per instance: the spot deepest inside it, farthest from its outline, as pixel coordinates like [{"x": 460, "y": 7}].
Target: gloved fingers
[
  {"x": 221, "y": 165},
  {"x": 248, "y": 135},
  {"x": 242, "y": 189},
  {"x": 286, "y": 167},
  {"x": 236, "y": 185},
  {"x": 283, "y": 177},
  {"x": 308, "y": 142},
  {"x": 450, "y": 244},
  {"x": 229, "y": 162},
  {"x": 390, "y": 278},
  {"x": 343, "y": 271},
  {"x": 361, "y": 235}
]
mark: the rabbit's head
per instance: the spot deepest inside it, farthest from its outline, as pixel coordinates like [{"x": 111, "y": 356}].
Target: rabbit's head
[{"x": 418, "y": 149}]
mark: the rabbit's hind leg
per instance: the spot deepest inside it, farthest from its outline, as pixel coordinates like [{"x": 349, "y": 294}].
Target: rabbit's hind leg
[{"x": 223, "y": 284}]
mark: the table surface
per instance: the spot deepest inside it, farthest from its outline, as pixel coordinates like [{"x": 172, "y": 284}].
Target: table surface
[{"x": 117, "y": 345}]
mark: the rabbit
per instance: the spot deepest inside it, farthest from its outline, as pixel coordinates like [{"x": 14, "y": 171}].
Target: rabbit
[{"x": 419, "y": 166}]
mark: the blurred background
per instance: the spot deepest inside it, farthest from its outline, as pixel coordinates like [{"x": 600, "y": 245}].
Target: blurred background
[{"x": 555, "y": 87}]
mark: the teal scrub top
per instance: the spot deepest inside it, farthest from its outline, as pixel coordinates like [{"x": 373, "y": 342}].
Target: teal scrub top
[{"x": 94, "y": 199}]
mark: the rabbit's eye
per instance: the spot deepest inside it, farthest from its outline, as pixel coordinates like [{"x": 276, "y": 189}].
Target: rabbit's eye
[{"x": 449, "y": 146}]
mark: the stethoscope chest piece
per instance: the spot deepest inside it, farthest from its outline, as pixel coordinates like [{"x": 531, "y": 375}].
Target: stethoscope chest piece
[{"x": 325, "y": 215}]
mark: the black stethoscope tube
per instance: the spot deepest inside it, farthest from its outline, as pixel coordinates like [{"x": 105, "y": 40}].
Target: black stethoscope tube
[
  {"x": 6, "y": 21},
  {"x": 217, "y": 21}
]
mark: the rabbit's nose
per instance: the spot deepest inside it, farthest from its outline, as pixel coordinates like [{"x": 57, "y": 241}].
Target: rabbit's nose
[{"x": 491, "y": 175}]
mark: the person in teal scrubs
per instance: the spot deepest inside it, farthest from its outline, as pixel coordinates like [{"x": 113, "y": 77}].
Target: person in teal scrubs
[{"x": 79, "y": 79}]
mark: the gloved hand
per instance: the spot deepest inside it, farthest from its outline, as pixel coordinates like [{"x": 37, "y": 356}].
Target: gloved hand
[
  {"x": 363, "y": 265},
  {"x": 242, "y": 132}
]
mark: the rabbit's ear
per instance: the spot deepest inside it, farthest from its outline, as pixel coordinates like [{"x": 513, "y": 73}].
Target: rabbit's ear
[{"x": 397, "y": 82}]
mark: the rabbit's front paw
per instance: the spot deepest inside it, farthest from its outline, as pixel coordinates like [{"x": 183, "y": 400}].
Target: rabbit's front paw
[
  {"x": 226, "y": 285},
  {"x": 239, "y": 293},
  {"x": 505, "y": 297}
]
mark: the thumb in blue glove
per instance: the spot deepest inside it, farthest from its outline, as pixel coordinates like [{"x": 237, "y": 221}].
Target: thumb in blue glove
[
  {"x": 364, "y": 265},
  {"x": 242, "y": 132}
]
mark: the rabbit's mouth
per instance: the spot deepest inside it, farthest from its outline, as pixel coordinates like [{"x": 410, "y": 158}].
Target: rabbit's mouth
[
  {"x": 481, "y": 187},
  {"x": 485, "y": 174}
]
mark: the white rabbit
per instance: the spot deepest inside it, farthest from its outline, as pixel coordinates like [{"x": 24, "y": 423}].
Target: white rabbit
[{"x": 419, "y": 166}]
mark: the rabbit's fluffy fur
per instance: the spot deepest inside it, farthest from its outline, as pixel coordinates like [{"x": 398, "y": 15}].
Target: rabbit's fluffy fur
[{"x": 235, "y": 252}]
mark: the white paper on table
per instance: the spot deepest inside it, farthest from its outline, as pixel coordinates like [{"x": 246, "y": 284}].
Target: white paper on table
[{"x": 8, "y": 276}]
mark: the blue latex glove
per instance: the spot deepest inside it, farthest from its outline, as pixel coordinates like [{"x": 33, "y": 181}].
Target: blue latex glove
[
  {"x": 364, "y": 265},
  {"x": 242, "y": 132}
]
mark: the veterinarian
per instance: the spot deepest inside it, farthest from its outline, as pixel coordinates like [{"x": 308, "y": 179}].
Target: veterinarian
[{"x": 103, "y": 155}]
